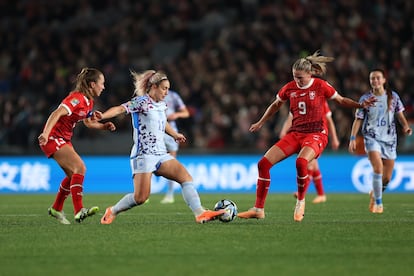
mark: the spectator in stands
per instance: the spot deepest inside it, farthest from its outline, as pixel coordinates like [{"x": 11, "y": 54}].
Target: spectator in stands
[{"x": 236, "y": 61}]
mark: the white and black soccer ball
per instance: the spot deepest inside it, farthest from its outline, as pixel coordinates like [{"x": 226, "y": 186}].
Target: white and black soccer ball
[{"x": 229, "y": 206}]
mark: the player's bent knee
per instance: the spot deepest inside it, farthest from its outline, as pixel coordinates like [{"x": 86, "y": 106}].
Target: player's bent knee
[{"x": 139, "y": 199}]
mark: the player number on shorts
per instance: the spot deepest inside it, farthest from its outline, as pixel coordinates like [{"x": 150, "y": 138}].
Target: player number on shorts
[{"x": 60, "y": 141}]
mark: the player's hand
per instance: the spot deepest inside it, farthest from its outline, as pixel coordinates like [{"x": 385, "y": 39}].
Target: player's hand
[
  {"x": 335, "y": 144},
  {"x": 408, "y": 131},
  {"x": 42, "y": 139},
  {"x": 110, "y": 126},
  {"x": 352, "y": 146},
  {"x": 255, "y": 127},
  {"x": 96, "y": 116},
  {"x": 369, "y": 102},
  {"x": 180, "y": 138}
]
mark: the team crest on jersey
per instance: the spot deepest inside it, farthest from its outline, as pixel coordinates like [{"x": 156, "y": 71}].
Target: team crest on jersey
[
  {"x": 74, "y": 102},
  {"x": 312, "y": 95},
  {"x": 293, "y": 95}
]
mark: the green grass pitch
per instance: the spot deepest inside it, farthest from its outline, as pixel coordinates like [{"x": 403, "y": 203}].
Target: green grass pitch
[{"x": 339, "y": 237}]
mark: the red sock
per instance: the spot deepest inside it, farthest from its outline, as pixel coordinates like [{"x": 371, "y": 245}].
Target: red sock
[
  {"x": 62, "y": 194},
  {"x": 76, "y": 189},
  {"x": 317, "y": 179},
  {"x": 302, "y": 177},
  {"x": 263, "y": 182}
]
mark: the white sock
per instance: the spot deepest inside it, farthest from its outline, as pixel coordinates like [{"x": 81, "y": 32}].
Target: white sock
[
  {"x": 192, "y": 198},
  {"x": 126, "y": 203},
  {"x": 170, "y": 189},
  {"x": 377, "y": 187}
]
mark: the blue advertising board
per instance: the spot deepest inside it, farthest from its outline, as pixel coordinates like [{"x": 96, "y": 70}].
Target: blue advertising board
[{"x": 211, "y": 173}]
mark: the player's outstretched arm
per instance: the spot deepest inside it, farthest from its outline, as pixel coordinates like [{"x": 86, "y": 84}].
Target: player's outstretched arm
[
  {"x": 270, "y": 111},
  {"x": 113, "y": 112},
  {"x": 347, "y": 102}
]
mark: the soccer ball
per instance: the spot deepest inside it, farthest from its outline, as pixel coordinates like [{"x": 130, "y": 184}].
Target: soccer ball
[{"x": 229, "y": 206}]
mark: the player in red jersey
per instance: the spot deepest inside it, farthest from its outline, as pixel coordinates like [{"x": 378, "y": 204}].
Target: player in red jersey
[
  {"x": 55, "y": 141},
  {"x": 313, "y": 166},
  {"x": 308, "y": 134}
]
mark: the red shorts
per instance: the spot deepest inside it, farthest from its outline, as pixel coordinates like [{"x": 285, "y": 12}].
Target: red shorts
[
  {"x": 293, "y": 142},
  {"x": 53, "y": 145}
]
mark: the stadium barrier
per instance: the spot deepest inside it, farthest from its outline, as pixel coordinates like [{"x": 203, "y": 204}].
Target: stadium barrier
[{"x": 211, "y": 173}]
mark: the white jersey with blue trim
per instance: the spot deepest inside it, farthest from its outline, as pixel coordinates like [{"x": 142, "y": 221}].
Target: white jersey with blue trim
[
  {"x": 378, "y": 121},
  {"x": 148, "y": 122}
]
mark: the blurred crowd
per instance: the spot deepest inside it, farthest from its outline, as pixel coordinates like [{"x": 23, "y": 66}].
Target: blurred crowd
[{"x": 227, "y": 59}]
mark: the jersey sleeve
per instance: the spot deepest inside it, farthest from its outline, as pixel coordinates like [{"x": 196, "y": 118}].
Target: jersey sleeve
[
  {"x": 282, "y": 94},
  {"x": 179, "y": 103},
  {"x": 134, "y": 105},
  {"x": 328, "y": 89},
  {"x": 399, "y": 106},
  {"x": 360, "y": 112},
  {"x": 71, "y": 103}
]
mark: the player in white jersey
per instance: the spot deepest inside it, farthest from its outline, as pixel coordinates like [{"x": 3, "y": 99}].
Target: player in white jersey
[
  {"x": 380, "y": 134},
  {"x": 149, "y": 154},
  {"x": 148, "y": 121},
  {"x": 175, "y": 109}
]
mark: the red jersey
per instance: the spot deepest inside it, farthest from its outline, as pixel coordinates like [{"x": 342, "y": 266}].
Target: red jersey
[
  {"x": 79, "y": 108},
  {"x": 307, "y": 105}
]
